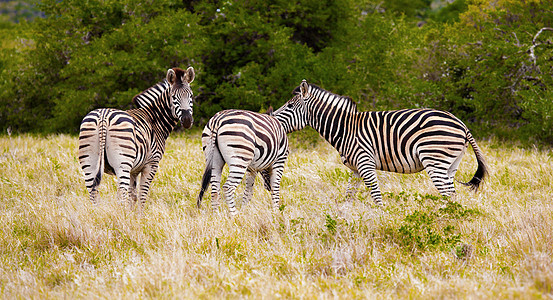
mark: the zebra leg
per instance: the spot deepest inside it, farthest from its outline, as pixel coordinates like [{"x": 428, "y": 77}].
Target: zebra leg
[
  {"x": 93, "y": 194},
  {"x": 236, "y": 173},
  {"x": 123, "y": 195},
  {"x": 266, "y": 175},
  {"x": 276, "y": 177},
  {"x": 92, "y": 187},
  {"x": 353, "y": 185},
  {"x": 146, "y": 177},
  {"x": 120, "y": 155},
  {"x": 248, "y": 192},
  {"x": 90, "y": 155},
  {"x": 368, "y": 173},
  {"x": 123, "y": 183},
  {"x": 439, "y": 175},
  {"x": 123, "y": 188},
  {"x": 132, "y": 190},
  {"x": 123, "y": 172},
  {"x": 216, "y": 174}
]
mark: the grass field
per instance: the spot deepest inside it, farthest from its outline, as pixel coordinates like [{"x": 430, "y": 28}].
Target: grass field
[{"x": 497, "y": 243}]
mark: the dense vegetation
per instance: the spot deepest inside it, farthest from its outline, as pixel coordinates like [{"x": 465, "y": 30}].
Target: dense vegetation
[{"x": 488, "y": 62}]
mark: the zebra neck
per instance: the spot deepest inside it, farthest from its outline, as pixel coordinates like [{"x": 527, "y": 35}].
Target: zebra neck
[
  {"x": 332, "y": 115},
  {"x": 335, "y": 126},
  {"x": 161, "y": 115},
  {"x": 163, "y": 118}
]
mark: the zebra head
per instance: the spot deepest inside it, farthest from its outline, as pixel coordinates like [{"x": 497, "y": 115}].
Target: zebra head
[
  {"x": 181, "y": 94},
  {"x": 293, "y": 114}
]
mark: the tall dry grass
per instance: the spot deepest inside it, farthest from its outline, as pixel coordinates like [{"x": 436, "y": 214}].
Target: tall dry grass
[{"x": 497, "y": 243}]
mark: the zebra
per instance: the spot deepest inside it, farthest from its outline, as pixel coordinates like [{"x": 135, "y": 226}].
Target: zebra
[
  {"x": 402, "y": 141},
  {"x": 249, "y": 143},
  {"x": 131, "y": 143}
]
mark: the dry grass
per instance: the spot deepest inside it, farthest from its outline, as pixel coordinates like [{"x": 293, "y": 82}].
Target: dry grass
[{"x": 497, "y": 243}]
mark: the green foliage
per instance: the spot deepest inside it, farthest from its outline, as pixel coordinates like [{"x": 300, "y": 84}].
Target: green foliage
[
  {"x": 481, "y": 60},
  {"x": 95, "y": 55},
  {"x": 418, "y": 232},
  {"x": 16, "y": 11},
  {"x": 432, "y": 226},
  {"x": 330, "y": 224},
  {"x": 373, "y": 68},
  {"x": 449, "y": 13},
  {"x": 329, "y": 233},
  {"x": 258, "y": 51},
  {"x": 483, "y": 68}
]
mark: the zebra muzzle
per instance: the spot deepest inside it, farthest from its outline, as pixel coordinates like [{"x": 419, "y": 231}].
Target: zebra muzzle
[{"x": 186, "y": 118}]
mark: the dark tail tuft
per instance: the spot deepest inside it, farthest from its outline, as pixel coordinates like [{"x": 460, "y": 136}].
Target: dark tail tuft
[
  {"x": 102, "y": 131},
  {"x": 206, "y": 178},
  {"x": 210, "y": 148},
  {"x": 482, "y": 171},
  {"x": 477, "y": 179}
]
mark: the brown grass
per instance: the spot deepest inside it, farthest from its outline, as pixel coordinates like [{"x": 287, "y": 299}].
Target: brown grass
[{"x": 55, "y": 244}]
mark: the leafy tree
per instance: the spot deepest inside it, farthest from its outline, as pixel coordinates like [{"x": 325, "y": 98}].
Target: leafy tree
[
  {"x": 486, "y": 61},
  {"x": 484, "y": 68},
  {"x": 92, "y": 54},
  {"x": 258, "y": 51},
  {"x": 449, "y": 13}
]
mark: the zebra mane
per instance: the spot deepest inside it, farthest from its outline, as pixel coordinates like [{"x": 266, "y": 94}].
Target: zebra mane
[
  {"x": 147, "y": 98},
  {"x": 318, "y": 93}
]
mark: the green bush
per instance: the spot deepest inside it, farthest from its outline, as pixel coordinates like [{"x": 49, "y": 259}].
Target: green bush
[
  {"x": 90, "y": 55},
  {"x": 432, "y": 226},
  {"x": 483, "y": 68},
  {"x": 471, "y": 58}
]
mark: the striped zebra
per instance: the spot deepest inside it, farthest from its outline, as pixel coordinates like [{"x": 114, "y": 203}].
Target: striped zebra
[
  {"x": 402, "y": 141},
  {"x": 248, "y": 142},
  {"x": 131, "y": 143}
]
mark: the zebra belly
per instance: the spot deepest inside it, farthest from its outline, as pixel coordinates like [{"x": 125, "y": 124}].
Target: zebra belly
[
  {"x": 258, "y": 165},
  {"x": 404, "y": 166}
]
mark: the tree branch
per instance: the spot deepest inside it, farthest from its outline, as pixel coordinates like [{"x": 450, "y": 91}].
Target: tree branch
[{"x": 534, "y": 44}]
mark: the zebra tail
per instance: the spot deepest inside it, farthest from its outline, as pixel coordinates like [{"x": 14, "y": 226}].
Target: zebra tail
[
  {"x": 481, "y": 171},
  {"x": 206, "y": 178},
  {"x": 102, "y": 132}
]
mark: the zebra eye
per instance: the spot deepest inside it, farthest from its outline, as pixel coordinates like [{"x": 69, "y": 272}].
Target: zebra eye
[{"x": 290, "y": 105}]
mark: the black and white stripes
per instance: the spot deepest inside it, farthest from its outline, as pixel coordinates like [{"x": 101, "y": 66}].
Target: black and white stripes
[
  {"x": 131, "y": 143},
  {"x": 249, "y": 143},
  {"x": 403, "y": 141}
]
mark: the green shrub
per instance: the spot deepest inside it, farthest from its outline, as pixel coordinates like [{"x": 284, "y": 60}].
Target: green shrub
[
  {"x": 432, "y": 226},
  {"x": 471, "y": 58}
]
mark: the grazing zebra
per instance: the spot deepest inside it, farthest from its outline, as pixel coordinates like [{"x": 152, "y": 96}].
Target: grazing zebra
[
  {"x": 248, "y": 142},
  {"x": 402, "y": 141},
  {"x": 132, "y": 142}
]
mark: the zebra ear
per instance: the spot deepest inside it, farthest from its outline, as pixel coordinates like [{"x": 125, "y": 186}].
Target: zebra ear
[
  {"x": 304, "y": 88},
  {"x": 171, "y": 76},
  {"x": 189, "y": 75}
]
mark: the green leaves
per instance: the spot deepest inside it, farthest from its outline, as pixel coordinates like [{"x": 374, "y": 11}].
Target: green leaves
[
  {"x": 481, "y": 60},
  {"x": 432, "y": 226},
  {"x": 95, "y": 54}
]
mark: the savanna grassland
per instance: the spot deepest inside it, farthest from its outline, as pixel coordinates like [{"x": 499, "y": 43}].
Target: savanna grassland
[{"x": 497, "y": 243}]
